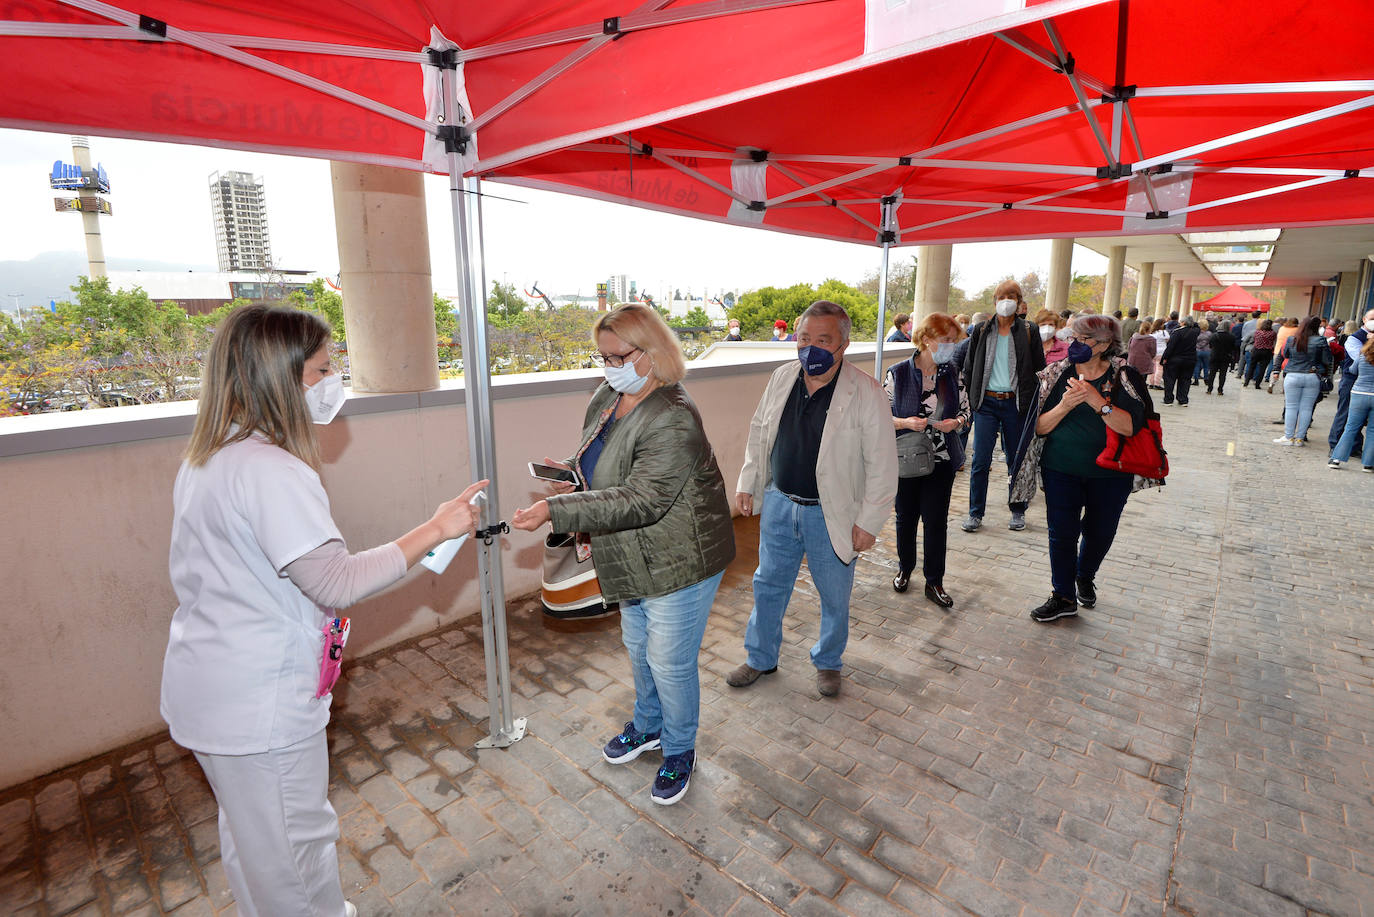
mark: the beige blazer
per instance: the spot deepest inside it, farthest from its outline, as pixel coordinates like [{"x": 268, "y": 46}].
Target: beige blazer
[{"x": 856, "y": 469}]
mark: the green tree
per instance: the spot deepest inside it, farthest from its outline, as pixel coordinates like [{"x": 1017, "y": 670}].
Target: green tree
[
  {"x": 325, "y": 303},
  {"x": 696, "y": 318},
  {"x": 504, "y": 303}
]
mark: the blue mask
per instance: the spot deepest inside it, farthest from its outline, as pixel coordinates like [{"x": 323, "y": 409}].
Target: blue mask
[
  {"x": 815, "y": 360},
  {"x": 944, "y": 352},
  {"x": 1080, "y": 352},
  {"x": 625, "y": 378}
]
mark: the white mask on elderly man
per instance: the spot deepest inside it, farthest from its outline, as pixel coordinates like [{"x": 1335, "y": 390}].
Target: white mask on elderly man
[{"x": 1006, "y": 307}]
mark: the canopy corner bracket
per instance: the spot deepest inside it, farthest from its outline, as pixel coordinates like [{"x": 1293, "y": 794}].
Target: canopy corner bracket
[
  {"x": 757, "y": 206},
  {"x": 1119, "y": 94},
  {"x": 445, "y": 59},
  {"x": 1352, "y": 173},
  {"x": 1117, "y": 170},
  {"x": 1157, "y": 215},
  {"x": 455, "y": 138}
]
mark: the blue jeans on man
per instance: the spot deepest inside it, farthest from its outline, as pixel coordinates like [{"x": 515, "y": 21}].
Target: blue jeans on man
[
  {"x": 1081, "y": 515},
  {"x": 663, "y": 636},
  {"x": 788, "y": 532},
  {"x": 1347, "y": 382},
  {"x": 994, "y": 416},
  {"x": 1361, "y": 416}
]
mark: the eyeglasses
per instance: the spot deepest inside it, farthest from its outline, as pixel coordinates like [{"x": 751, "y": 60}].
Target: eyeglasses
[{"x": 613, "y": 360}]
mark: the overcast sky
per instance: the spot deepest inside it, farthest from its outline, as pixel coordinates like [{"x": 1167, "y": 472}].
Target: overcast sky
[{"x": 161, "y": 203}]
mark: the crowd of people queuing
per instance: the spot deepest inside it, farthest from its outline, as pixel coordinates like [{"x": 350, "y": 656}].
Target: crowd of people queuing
[{"x": 259, "y": 567}]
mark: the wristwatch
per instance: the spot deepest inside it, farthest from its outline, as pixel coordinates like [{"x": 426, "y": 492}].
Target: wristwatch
[{"x": 1105, "y": 409}]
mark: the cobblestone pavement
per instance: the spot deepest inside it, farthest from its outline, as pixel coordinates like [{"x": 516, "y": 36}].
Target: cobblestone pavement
[{"x": 1197, "y": 744}]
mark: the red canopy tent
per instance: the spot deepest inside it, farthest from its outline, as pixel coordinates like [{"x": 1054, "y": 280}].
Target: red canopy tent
[
  {"x": 860, "y": 120},
  {"x": 1232, "y": 299}
]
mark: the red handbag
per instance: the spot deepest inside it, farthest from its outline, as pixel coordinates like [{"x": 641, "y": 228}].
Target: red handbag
[{"x": 1141, "y": 453}]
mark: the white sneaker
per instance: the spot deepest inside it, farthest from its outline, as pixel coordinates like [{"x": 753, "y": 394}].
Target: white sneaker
[
  {"x": 1285, "y": 441},
  {"x": 1334, "y": 465},
  {"x": 350, "y": 910}
]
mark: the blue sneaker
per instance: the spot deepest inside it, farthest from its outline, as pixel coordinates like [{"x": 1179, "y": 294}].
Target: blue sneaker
[
  {"x": 673, "y": 778},
  {"x": 629, "y": 745}
]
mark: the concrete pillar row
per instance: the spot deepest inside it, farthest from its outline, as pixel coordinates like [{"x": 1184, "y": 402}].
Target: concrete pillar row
[
  {"x": 932, "y": 280},
  {"x": 379, "y": 218},
  {"x": 1345, "y": 296},
  {"x": 1142, "y": 290},
  {"x": 1175, "y": 297},
  {"x": 1186, "y": 308},
  {"x": 1116, "y": 265},
  {"x": 1061, "y": 275},
  {"x": 1162, "y": 299}
]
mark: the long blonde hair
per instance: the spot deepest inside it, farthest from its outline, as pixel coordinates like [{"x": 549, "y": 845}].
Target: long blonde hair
[{"x": 251, "y": 383}]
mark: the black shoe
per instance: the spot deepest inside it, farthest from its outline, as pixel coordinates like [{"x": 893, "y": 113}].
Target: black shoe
[
  {"x": 1087, "y": 593},
  {"x": 937, "y": 594},
  {"x": 1055, "y": 607},
  {"x": 900, "y": 581}
]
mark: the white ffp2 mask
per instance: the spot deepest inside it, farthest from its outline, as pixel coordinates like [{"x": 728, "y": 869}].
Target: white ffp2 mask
[{"x": 325, "y": 398}]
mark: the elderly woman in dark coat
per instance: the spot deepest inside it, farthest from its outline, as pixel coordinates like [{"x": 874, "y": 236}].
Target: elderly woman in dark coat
[{"x": 1079, "y": 398}]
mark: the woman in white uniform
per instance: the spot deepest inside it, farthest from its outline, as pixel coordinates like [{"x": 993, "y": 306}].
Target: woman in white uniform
[{"x": 258, "y": 567}]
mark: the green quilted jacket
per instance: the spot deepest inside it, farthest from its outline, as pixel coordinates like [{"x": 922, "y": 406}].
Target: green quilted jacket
[{"x": 656, "y": 511}]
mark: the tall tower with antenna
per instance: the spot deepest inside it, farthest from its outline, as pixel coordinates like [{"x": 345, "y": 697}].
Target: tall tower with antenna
[{"x": 90, "y": 183}]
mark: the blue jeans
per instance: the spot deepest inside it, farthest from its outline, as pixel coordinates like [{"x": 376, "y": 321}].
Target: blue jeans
[
  {"x": 1347, "y": 382},
  {"x": 1300, "y": 392},
  {"x": 994, "y": 415},
  {"x": 663, "y": 636},
  {"x": 1361, "y": 414},
  {"x": 1204, "y": 362},
  {"x": 787, "y": 531},
  {"x": 1081, "y": 515}
]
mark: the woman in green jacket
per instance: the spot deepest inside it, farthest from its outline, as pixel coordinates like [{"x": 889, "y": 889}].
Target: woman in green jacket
[{"x": 651, "y": 503}]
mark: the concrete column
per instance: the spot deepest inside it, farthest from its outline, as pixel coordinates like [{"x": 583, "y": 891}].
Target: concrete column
[
  {"x": 1116, "y": 264},
  {"x": 1162, "y": 299},
  {"x": 1186, "y": 308},
  {"x": 1345, "y": 296},
  {"x": 379, "y": 218},
  {"x": 932, "y": 280},
  {"x": 1175, "y": 297},
  {"x": 1061, "y": 275},
  {"x": 1142, "y": 290}
]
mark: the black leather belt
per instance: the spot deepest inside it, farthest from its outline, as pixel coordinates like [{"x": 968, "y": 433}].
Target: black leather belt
[{"x": 802, "y": 501}]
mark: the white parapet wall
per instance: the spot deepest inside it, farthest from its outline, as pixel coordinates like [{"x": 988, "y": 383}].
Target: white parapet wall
[{"x": 87, "y": 521}]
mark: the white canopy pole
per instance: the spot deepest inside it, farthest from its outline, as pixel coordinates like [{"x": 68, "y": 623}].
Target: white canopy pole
[
  {"x": 467, "y": 241},
  {"x": 887, "y": 237}
]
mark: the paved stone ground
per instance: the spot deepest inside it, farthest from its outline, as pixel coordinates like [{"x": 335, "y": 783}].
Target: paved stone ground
[{"x": 1199, "y": 744}]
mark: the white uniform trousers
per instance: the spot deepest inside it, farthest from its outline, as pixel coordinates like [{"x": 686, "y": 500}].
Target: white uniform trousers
[{"x": 277, "y": 830}]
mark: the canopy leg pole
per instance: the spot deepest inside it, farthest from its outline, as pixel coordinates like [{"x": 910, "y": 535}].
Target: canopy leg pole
[
  {"x": 888, "y": 236},
  {"x": 467, "y": 239}
]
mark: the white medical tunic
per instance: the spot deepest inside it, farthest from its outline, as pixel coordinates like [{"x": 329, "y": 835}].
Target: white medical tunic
[{"x": 243, "y": 659}]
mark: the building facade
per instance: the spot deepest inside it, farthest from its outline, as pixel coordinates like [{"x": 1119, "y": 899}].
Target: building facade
[{"x": 238, "y": 206}]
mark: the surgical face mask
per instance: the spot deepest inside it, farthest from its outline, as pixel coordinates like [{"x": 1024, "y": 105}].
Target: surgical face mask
[
  {"x": 324, "y": 398},
  {"x": 815, "y": 360},
  {"x": 1369, "y": 325},
  {"x": 1046, "y": 332},
  {"x": 625, "y": 379},
  {"x": 1063, "y": 334},
  {"x": 1080, "y": 352},
  {"x": 1006, "y": 307},
  {"x": 943, "y": 353}
]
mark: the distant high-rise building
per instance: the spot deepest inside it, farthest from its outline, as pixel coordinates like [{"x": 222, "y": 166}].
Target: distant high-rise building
[
  {"x": 619, "y": 286},
  {"x": 238, "y": 205}
]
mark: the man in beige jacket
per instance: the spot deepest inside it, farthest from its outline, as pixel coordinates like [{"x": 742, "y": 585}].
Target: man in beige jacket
[{"x": 821, "y": 462}]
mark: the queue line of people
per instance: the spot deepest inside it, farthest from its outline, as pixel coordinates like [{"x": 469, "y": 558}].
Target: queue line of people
[{"x": 259, "y": 567}]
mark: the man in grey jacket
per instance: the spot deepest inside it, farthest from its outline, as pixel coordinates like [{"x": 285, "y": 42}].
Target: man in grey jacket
[{"x": 821, "y": 464}]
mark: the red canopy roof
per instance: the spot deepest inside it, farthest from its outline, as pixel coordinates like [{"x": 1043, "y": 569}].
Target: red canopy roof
[
  {"x": 1059, "y": 118},
  {"x": 1232, "y": 299}
]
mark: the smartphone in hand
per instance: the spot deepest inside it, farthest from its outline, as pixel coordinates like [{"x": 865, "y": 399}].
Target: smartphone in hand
[{"x": 552, "y": 473}]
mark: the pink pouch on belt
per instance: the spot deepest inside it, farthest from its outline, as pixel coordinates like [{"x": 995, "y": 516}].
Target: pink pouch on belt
[{"x": 331, "y": 659}]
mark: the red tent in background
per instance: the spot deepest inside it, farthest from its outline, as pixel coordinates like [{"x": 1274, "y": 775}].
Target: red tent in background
[{"x": 1232, "y": 299}]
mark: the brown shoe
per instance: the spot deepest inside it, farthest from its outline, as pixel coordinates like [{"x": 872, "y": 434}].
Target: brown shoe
[
  {"x": 746, "y": 675},
  {"x": 828, "y": 682}
]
